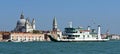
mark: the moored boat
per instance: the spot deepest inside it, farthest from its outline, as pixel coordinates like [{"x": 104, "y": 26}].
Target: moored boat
[{"x": 79, "y": 35}]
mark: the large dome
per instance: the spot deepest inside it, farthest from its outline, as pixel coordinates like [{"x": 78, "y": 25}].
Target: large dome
[{"x": 21, "y": 22}]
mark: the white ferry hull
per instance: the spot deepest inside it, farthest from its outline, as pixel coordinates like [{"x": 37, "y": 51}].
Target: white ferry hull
[
  {"x": 73, "y": 40},
  {"x": 78, "y": 40}
]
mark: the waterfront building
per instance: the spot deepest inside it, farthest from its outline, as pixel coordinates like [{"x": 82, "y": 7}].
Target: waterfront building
[
  {"x": 26, "y": 37},
  {"x": 1, "y": 36},
  {"x": 4, "y": 36},
  {"x": 24, "y": 25},
  {"x": 103, "y": 36},
  {"x": 114, "y": 37}
]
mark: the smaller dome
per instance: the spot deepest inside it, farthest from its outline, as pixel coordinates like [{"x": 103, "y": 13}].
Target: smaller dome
[{"x": 21, "y": 22}]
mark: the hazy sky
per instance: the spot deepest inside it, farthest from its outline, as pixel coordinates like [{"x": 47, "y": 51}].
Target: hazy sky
[{"x": 80, "y": 12}]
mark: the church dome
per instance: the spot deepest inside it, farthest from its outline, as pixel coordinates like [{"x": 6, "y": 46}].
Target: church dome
[{"x": 21, "y": 22}]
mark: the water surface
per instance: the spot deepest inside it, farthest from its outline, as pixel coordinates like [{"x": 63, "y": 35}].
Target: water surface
[{"x": 110, "y": 47}]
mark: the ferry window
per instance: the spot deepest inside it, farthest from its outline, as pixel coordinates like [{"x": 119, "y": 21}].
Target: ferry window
[
  {"x": 77, "y": 35},
  {"x": 69, "y": 35},
  {"x": 72, "y": 35},
  {"x": 80, "y": 32},
  {"x": 83, "y": 36},
  {"x": 76, "y": 31},
  {"x": 88, "y": 36}
]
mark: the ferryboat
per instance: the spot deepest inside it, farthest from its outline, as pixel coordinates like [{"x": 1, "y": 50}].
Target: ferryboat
[{"x": 79, "y": 35}]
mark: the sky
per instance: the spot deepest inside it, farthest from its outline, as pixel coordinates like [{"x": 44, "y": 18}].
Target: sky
[{"x": 80, "y": 12}]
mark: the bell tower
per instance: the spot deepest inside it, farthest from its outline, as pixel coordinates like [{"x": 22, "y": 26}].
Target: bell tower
[
  {"x": 33, "y": 24},
  {"x": 55, "y": 24},
  {"x": 26, "y": 25}
]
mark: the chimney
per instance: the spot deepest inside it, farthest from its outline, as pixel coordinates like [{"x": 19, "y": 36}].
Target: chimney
[
  {"x": 70, "y": 24},
  {"x": 88, "y": 28},
  {"x": 99, "y": 32}
]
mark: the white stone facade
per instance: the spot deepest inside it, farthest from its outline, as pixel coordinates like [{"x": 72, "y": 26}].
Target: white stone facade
[
  {"x": 26, "y": 37},
  {"x": 24, "y": 25}
]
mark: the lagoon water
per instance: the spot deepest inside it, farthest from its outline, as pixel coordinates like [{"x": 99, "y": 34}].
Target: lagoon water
[{"x": 110, "y": 47}]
